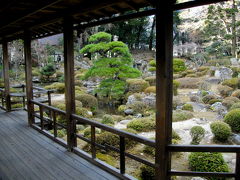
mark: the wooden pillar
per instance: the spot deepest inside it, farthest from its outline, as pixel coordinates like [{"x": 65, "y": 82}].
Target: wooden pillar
[
  {"x": 164, "y": 78},
  {"x": 6, "y": 75},
  {"x": 69, "y": 80},
  {"x": 28, "y": 75}
]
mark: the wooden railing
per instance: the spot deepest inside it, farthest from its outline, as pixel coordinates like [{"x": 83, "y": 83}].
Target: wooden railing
[{"x": 123, "y": 135}]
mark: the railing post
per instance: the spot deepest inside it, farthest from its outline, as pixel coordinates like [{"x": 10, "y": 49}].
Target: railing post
[
  {"x": 164, "y": 46},
  {"x": 237, "y": 170},
  {"x": 122, "y": 155},
  {"x": 28, "y": 75},
  {"x": 93, "y": 141},
  {"x": 69, "y": 80},
  {"x": 6, "y": 75}
]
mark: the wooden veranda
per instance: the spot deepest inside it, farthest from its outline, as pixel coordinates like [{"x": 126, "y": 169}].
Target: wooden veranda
[{"x": 28, "y": 20}]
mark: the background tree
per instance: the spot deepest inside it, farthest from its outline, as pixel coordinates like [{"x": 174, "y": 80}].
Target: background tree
[
  {"x": 222, "y": 28},
  {"x": 112, "y": 63}
]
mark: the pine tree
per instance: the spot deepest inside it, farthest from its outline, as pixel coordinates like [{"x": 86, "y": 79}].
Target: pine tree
[{"x": 112, "y": 63}]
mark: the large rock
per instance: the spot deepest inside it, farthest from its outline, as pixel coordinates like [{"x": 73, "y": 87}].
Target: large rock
[
  {"x": 223, "y": 73},
  {"x": 220, "y": 109},
  {"x": 234, "y": 61},
  {"x": 150, "y": 100},
  {"x": 128, "y": 112},
  {"x": 236, "y": 139},
  {"x": 213, "y": 80}
]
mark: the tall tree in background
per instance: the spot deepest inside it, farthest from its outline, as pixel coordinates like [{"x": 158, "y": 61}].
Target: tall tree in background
[{"x": 222, "y": 28}]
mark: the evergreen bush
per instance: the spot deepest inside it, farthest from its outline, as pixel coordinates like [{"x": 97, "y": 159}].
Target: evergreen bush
[{"x": 221, "y": 130}]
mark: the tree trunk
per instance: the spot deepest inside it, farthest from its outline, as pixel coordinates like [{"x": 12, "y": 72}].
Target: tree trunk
[
  {"x": 234, "y": 38},
  {"x": 151, "y": 34}
]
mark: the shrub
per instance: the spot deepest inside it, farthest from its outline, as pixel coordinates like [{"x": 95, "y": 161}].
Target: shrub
[
  {"x": 151, "y": 80},
  {"x": 152, "y": 69},
  {"x": 236, "y": 93},
  {"x": 207, "y": 98},
  {"x": 142, "y": 124},
  {"x": 152, "y": 63},
  {"x": 197, "y": 133},
  {"x": 138, "y": 107},
  {"x": 176, "y": 84},
  {"x": 87, "y": 132},
  {"x": 113, "y": 140},
  {"x": 137, "y": 85},
  {"x": 147, "y": 172},
  {"x": 150, "y": 89},
  {"x": 181, "y": 115},
  {"x": 61, "y": 133},
  {"x": 229, "y": 101},
  {"x": 235, "y": 106},
  {"x": 35, "y": 72},
  {"x": 233, "y": 119},
  {"x": 221, "y": 130},
  {"x": 207, "y": 162},
  {"x": 175, "y": 135},
  {"x": 178, "y": 65},
  {"x": 236, "y": 71},
  {"x": 88, "y": 101},
  {"x": 225, "y": 90},
  {"x": 188, "y": 83},
  {"x": 122, "y": 108},
  {"x": 202, "y": 68},
  {"x": 48, "y": 70},
  {"x": 187, "y": 107},
  {"x": 16, "y": 106},
  {"x": 83, "y": 112},
  {"x": 59, "y": 87},
  {"x": 233, "y": 83},
  {"x": 107, "y": 119}
]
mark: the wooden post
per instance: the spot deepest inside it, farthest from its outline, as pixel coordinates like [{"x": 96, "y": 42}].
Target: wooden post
[
  {"x": 164, "y": 78},
  {"x": 69, "y": 80},
  {"x": 28, "y": 75},
  {"x": 6, "y": 75}
]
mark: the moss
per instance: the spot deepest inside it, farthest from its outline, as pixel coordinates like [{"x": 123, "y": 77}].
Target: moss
[
  {"x": 232, "y": 118},
  {"x": 233, "y": 83},
  {"x": 212, "y": 101},
  {"x": 221, "y": 130},
  {"x": 83, "y": 112},
  {"x": 16, "y": 106},
  {"x": 187, "y": 107},
  {"x": 61, "y": 133},
  {"x": 137, "y": 85},
  {"x": 178, "y": 65},
  {"x": 107, "y": 158},
  {"x": 59, "y": 87},
  {"x": 142, "y": 124},
  {"x": 150, "y": 89},
  {"x": 147, "y": 172},
  {"x": 87, "y": 132},
  {"x": 181, "y": 115}
]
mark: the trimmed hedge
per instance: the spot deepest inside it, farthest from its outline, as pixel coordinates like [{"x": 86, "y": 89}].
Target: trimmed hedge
[
  {"x": 221, "y": 130},
  {"x": 142, "y": 124},
  {"x": 197, "y": 133},
  {"x": 208, "y": 162},
  {"x": 232, "y": 118}
]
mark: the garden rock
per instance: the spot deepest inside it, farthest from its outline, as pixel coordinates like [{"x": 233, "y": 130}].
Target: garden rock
[
  {"x": 124, "y": 121},
  {"x": 217, "y": 107},
  {"x": 234, "y": 61},
  {"x": 223, "y": 73},
  {"x": 213, "y": 80},
  {"x": 198, "y": 107},
  {"x": 197, "y": 178},
  {"x": 150, "y": 100},
  {"x": 128, "y": 112},
  {"x": 236, "y": 139}
]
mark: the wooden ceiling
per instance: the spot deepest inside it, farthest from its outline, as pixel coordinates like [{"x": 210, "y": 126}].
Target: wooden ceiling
[{"x": 44, "y": 17}]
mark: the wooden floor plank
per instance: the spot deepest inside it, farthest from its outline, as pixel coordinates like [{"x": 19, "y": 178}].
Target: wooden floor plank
[{"x": 27, "y": 154}]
